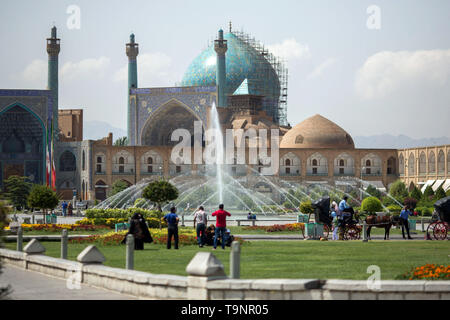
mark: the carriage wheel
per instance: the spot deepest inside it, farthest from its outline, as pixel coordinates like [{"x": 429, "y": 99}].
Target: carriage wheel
[
  {"x": 326, "y": 231},
  {"x": 352, "y": 233},
  {"x": 440, "y": 230}
]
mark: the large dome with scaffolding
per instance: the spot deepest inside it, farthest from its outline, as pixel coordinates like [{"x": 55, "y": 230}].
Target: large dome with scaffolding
[{"x": 245, "y": 59}]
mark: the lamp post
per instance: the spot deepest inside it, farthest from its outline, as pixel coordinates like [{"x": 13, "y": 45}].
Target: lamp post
[{"x": 361, "y": 173}]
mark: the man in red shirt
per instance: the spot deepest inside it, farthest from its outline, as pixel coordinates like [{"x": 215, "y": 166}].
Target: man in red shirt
[{"x": 221, "y": 225}]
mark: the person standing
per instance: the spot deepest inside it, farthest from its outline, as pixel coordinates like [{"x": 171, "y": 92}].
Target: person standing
[
  {"x": 201, "y": 219},
  {"x": 70, "y": 208},
  {"x": 64, "y": 208},
  {"x": 221, "y": 225},
  {"x": 334, "y": 215},
  {"x": 404, "y": 215},
  {"x": 140, "y": 232},
  {"x": 172, "y": 227}
]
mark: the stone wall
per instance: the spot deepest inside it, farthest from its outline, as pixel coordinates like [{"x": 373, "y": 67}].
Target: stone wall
[{"x": 207, "y": 281}]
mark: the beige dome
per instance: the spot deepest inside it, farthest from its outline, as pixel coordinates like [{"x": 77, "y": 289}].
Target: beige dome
[{"x": 317, "y": 132}]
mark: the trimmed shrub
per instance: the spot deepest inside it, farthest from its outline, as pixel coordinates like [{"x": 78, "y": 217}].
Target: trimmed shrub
[{"x": 371, "y": 205}]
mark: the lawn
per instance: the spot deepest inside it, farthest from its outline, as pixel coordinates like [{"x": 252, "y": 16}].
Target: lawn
[{"x": 284, "y": 259}]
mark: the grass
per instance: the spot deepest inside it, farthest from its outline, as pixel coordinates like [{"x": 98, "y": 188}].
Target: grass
[{"x": 284, "y": 259}]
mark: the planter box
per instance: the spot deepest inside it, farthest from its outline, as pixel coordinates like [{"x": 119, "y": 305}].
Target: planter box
[
  {"x": 313, "y": 230},
  {"x": 303, "y": 218},
  {"x": 412, "y": 224}
]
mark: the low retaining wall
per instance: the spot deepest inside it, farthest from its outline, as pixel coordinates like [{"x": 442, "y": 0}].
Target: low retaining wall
[{"x": 159, "y": 286}]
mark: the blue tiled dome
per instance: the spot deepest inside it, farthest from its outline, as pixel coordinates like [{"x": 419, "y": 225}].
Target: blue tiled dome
[{"x": 242, "y": 62}]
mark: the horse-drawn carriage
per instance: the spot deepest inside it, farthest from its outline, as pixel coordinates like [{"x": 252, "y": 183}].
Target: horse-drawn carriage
[
  {"x": 350, "y": 229},
  {"x": 440, "y": 220}
]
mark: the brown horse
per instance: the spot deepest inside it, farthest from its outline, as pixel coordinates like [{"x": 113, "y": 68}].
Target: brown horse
[{"x": 381, "y": 222}]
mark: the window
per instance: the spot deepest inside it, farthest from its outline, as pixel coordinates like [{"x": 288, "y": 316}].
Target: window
[
  {"x": 178, "y": 169},
  {"x": 314, "y": 170},
  {"x": 342, "y": 163},
  {"x": 288, "y": 162},
  {"x": 121, "y": 169},
  {"x": 150, "y": 169},
  {"x": 368, "y": 171},
  {"x": 288, "y": 170},
  {"x": 83, "y": 161},
  {"x": 121, "y": 160},
  {"x": 150, "y": 160},
  {"x": 315, "y": 163},
  {"x": 341, "y": 170},
  {"x": 99, "y": 159},
  {"x": 99, "y": 168},
  {"x": 368, "y": 163}
]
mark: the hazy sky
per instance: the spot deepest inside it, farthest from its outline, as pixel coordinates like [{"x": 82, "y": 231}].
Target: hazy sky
[{"x": 395, "y": 79}]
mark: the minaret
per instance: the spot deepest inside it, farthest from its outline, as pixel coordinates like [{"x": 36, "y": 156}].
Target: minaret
[
  {"x": 53, "y": 48},
  {"x": 220, "y": 46},
  {"x": 132, "y": 50}
]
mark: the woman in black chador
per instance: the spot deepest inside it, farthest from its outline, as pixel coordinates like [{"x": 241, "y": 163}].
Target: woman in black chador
[{"x": 139, "y": 229}]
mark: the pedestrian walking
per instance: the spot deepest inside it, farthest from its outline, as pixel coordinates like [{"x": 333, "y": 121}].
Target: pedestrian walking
[
  {"x": 64, "y": 208},
  {"x": 200, "y": 219},
  {"x": 70, "y": 208},
  {"x": 404, "y": 215},
  {"x": 172, "y": 227},
  {"x": 335, "y": 222},
  {"x": 221, "y": 225},
  {"x": 140, "y": 232}
]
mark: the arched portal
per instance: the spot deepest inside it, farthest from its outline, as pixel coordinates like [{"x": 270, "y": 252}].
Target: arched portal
[
  {"x": 22, "y": 144},
  {"x": 168, "y": 118}
]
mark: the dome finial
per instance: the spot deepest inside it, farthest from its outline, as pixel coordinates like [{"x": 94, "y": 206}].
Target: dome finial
[{"x": 230, "y": 26}]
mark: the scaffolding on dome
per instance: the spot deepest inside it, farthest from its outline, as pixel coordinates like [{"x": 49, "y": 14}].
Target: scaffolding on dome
[{"x": 278, "y": 66}]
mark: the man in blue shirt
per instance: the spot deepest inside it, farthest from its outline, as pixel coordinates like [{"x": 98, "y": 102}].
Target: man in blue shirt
[
  {"x": 172, "y": 227},
  {"x": 404, "y": 215},
  {"x": 346, "y": 210}
]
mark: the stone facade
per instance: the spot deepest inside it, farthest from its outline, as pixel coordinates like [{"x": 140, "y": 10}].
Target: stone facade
[
  {"x": 70, "y": 123},
  {"x": 427, "y": 164}
]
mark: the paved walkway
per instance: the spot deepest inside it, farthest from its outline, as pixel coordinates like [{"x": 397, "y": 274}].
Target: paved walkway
[{"x": 29, "y": 285}]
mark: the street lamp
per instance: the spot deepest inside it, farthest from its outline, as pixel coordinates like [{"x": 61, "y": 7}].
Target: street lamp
[{"x": 361, "y": 195}]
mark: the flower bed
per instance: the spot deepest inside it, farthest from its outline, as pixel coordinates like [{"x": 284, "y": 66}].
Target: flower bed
[
  {"x": 278, "y": 227},
  {"x": 428, "y": 272},
  {"x": 60, "y": 227},
  {"x": 110, "y": 222},
  {"x": 185, "y": 236}
]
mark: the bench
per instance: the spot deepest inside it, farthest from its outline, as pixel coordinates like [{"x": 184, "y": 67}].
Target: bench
[{"x": 253, "y": 221}]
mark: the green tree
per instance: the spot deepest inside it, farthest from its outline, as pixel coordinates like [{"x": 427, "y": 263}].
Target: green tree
[
  {"x": 440, "y": 193},
  {"x": 120, "y": 142},
  {"x": 398, "y": 190},
  {"x": 428, "y": 193},
  {"x": 16, "y": 190},
  {"x": 160, "y": 192},
  {"x": 3, "y": 218},
  {"x": 374, "y": 192},
  {"x": 43, "y": 197},
  {"x": 371, "y": 205},
  {"x": 416, "y": 194},
  {"x": 306, "y": 208},
  {"x": 118, "y": 186}
]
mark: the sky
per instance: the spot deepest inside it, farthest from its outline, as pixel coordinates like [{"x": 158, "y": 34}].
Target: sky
[{"x": 373, "y": 67}]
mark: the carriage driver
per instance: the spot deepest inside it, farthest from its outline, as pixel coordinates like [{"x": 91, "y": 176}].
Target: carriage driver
[{"x": 346, "y": 210}]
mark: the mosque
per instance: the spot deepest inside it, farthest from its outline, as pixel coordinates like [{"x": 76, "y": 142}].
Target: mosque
[{"x": 249, "y": 86}]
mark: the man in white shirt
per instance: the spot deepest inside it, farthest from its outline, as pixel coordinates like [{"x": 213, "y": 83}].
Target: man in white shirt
[{"x": 200, "y": 219}]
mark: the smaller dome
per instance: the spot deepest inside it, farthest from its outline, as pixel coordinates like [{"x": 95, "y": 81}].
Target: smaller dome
[{"x": 317, "y": 132}]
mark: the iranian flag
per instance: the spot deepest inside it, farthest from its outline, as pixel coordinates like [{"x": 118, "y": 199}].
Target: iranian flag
[{"x": 53, "y": 163}]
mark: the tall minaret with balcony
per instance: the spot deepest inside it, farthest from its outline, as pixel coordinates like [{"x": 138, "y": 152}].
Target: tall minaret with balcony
[
  {"x": 132, "y": 50},
  {"x": 53, "y": 49},
  {"x": 221, "y": 47}
]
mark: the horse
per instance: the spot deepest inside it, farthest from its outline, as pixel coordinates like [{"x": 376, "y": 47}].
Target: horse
[{"x": 385, "y": 222}]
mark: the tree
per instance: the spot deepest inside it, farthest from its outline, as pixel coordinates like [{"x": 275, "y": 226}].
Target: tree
[
  {"x": 118, "y": 186},
  {"x": 398, "y": 190},
  {"x": 120, "y": 142},
  {"x": 440, "y": 193},
  {"x": 410, "y": 202},
  {"x": 43, "y": 197},
  {"x": 371, "y": 205},
  {"x": 374, "y": 192},
  {"x": 306, "y": 208},
  {"x": 3, "y": 217},
  {"x": 17, "y": 190},
  {"x": 416, "y": 194},
  {"x": 428, "y": 193},
  {"x": 160, "y": 192}
]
